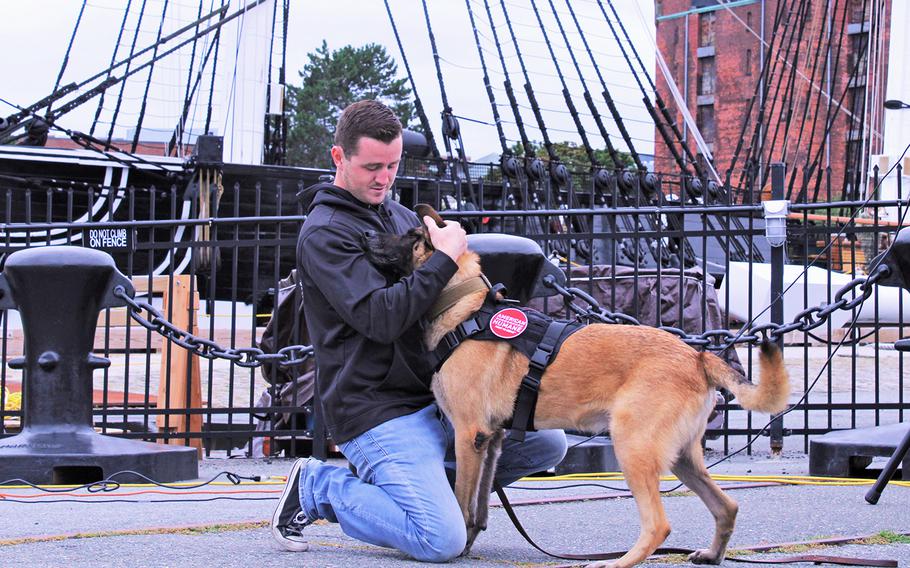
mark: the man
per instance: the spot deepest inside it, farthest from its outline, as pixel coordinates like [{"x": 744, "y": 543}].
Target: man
[{"x": 374, "y": 374}]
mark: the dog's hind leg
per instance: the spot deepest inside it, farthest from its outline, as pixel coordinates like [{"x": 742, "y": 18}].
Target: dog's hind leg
[
  {"x": 690, "y": 469},
  {"x": 640, "y": 461},
  {"x": 482, "y": 507}
]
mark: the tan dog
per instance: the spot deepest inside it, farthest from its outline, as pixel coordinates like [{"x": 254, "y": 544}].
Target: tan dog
[{"x": 601, "y": 379}]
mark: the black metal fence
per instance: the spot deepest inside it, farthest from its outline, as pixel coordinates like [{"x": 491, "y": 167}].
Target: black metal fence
[{"x": 664, "y": 250}]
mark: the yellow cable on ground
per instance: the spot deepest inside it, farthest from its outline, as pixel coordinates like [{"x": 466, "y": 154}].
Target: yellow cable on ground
[{"x": 782, "y": 479}]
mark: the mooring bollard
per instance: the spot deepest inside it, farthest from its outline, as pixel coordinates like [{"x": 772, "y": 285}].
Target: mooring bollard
[{"x": 59, "y": 292}]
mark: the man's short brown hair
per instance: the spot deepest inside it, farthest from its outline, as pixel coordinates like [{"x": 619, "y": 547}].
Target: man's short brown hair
[{"x": 366, "y": 118}]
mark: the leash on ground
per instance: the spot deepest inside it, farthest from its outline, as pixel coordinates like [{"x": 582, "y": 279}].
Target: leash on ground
[{"x": 663, "y": 551}]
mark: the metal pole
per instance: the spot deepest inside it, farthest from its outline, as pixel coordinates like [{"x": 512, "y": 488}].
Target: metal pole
[{"x": 777, "y": 299}]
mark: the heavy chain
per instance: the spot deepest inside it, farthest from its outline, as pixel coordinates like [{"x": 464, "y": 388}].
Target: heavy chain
[
  {"x": 249, "y": 357},
  {"x": 850, "y": 296}
]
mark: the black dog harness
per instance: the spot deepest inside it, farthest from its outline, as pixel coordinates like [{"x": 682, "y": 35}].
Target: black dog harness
[{"x": 532, "y": 333}]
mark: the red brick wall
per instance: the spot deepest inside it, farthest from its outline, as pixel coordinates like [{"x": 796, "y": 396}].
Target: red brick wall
[{"x": 735, "y": 86}]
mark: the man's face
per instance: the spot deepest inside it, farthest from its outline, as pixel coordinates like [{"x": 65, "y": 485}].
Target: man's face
[{"x": 369, "y": 172}]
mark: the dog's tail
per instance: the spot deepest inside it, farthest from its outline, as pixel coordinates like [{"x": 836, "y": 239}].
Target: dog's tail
[{"x": 771, "y": 393}]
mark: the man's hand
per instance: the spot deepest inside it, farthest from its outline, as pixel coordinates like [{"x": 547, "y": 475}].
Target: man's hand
[{"x": 450, "y": 240}]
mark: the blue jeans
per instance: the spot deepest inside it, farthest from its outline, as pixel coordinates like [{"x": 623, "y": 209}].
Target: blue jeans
[{"x": 402, "y": 497}]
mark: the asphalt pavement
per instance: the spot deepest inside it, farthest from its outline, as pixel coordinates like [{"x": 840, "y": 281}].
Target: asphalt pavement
[{"x": 155, "y": 527}]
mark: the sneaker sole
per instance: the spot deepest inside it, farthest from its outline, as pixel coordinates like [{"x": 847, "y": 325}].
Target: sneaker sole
[{"x": 283, "y": 541}]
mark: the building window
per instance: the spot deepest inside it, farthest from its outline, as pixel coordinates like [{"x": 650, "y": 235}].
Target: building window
[
  {"x": 859, "y": 12},
  {"x": 747, "y": 62},
  {"x": 856, "y": 101},
  {"x": 706, "y": 29},
  {"x": 704, "y": 120},
  {"x": 857, "y": 58},
  {"x": 707, "y": 76},
  {"x": 852, "y": 174},
  {"x": 749, "y": 20}
]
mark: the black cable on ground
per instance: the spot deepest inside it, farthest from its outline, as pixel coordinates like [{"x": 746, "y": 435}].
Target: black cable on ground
[{"x": 109, "y": 484}]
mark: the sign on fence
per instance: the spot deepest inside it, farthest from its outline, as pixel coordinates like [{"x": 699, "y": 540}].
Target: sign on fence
[{"x": 109, "y": 239}]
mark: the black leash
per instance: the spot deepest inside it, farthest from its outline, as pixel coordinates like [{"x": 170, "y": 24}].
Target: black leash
[{"x": 663, "y": 551}]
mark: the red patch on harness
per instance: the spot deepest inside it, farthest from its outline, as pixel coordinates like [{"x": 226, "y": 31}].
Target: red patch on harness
[{"x": 508, "y": 323}]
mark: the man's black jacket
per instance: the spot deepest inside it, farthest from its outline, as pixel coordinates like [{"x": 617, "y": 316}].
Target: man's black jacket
[{"x": 369, "y": 348}]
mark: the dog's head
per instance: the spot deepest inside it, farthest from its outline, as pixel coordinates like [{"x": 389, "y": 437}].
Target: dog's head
[{"x": 399, "y": 255}]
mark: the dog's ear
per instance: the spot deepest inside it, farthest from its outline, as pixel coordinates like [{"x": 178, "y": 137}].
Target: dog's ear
[
  {"x": 424, "y": 210},
  {"x": 390, "y": 254}
]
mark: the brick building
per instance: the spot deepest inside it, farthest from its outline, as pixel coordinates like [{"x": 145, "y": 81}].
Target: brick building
[{"x": 778, "y": 80}]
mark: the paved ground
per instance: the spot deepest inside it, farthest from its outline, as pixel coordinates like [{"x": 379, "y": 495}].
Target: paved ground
[{"x": 103, "y": 531}]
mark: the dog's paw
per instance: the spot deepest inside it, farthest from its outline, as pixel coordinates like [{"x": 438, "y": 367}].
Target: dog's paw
[
  {"x": 704, "y": 556},
  {"x": 472, "y": 535}
]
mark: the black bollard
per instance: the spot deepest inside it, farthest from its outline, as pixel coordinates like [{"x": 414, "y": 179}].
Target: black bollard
[
  {"x": 59, "y": 292},
  {"x": 897, "y": 258}
]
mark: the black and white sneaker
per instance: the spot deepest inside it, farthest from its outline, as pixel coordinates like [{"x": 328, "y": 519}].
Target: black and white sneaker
[{"x": 289, "y": 520}]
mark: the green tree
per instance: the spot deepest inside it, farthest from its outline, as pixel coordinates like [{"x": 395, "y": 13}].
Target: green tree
[
  {"x": 331, "y": 81},
  {"x": 574, "y": 156}
]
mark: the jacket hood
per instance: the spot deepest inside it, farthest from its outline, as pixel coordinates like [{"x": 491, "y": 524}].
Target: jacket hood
[{"x": 330, "y": 194}]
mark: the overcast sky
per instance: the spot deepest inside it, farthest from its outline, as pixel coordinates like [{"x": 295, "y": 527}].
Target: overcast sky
[{"x": 37, "y": 32}]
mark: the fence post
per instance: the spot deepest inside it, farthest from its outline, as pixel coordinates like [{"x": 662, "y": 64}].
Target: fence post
[
  {"x": 778, "y": 254},
  {"x": 179, "y": 379}
]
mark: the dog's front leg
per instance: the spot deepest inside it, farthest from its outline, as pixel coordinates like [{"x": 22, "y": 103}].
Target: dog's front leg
[
  {"x": 488, "y": 472},
  {"x": 470, "y": 454}
]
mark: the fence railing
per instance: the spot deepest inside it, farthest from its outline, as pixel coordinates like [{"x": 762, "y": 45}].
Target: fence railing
[{"x": 696, "y": 266}]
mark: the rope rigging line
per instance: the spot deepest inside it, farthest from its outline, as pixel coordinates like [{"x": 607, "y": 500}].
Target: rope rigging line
[
  {"x": 832, "y": 115},
  {"x": 529, "y": 90},
  {"x": 608, "y": 98},
  {"x": 786, "y": 83},
  {"x": 486, "y": 81},
  {"x": 282, "y": 78},
  {"x": 532, "y": 169},
  {"x": 217, "y": 41},
  {"x": 667, "y": 119},
  {"x": 670, "y": 143},
  {"x": 177, "y": 136},
  {"x": 418, "y": 105},
  {"x": 98, "y": 89},
  {"x": 856, "y": 160},
  {"x": 756, "y": 97},
  {"x": 269, "y": 150},
  {"x": 507, "y": 84},
  {"x": 450, "y": 128},
  {"x": 819, "y": 171},
  {"x": 589, "y": 100},
  {"x": 759, "y": 135},
  {"x": 803, "y": 121},
  {"x": 646, "y": 223},
  {"x": 557, "y": 171},
  {"x": 565, "y": 87},
  {"x": 90, "y": 143},
  {"x": 100, "y": 106},
  {"x": 148, "y": 81},
  {"x": 725, "y": 6},
  {"x": 66, "y": 56},
  {"x": 129, "y": 61}
]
